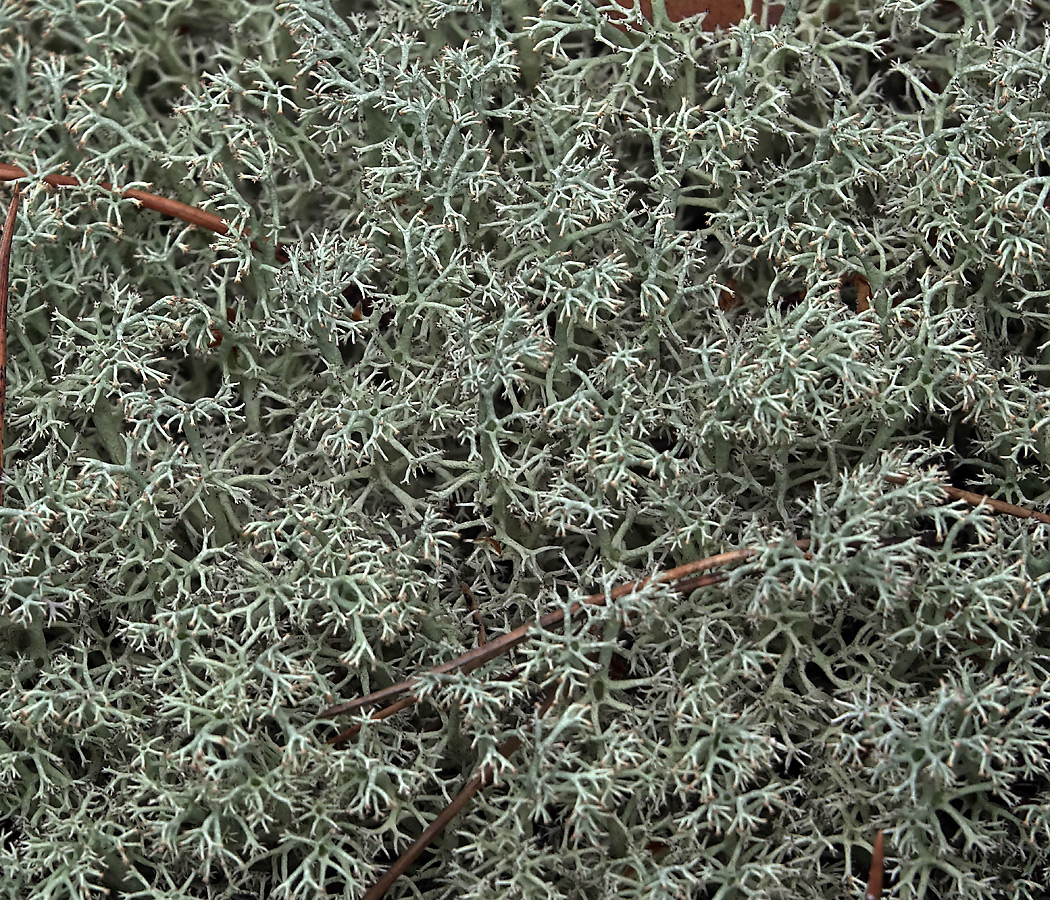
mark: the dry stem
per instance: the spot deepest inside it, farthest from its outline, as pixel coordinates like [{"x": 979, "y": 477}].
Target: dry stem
[{"x": 6, "y": 239}]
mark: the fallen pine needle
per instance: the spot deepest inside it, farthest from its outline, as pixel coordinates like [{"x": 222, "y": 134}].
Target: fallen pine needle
[{"x": 6, "y": 239}]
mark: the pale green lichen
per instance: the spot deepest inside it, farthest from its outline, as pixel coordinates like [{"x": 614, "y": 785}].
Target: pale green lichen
[{"x": 497, "y": 355}]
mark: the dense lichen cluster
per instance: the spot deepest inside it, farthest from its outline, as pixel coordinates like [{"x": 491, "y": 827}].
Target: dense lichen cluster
[{"x": 534, "y": 304}]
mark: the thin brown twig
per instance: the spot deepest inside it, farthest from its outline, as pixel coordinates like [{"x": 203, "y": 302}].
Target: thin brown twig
[
  {"x": 184, "y": 211},
  {"x": 6, "y": 240},
  {"x": 874, "y": 891},
  {"x": 495, "y": 647},
  {"x": 507, "y": 749},
  {"x": 689, "y": 584},
  {"x": 469, "y": 594},
  {"x": 975, "y": 499},
  {"x": 385, "y": 713}
]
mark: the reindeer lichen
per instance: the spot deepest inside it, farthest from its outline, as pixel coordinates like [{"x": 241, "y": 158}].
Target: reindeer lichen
[{"x": 514, "y": 303}]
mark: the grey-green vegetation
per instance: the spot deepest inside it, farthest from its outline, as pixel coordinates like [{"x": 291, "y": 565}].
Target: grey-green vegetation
[{"x": 232, "y": 502}]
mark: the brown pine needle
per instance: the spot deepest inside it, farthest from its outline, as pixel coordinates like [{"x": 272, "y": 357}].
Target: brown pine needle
[
  {"x": 980, "y": 499},
  {"x": 174, "y": 208},
  {"x": 498, "y": 646},
  {"x": 507, "y": 749},
  {"x": 690, "y": 584},
  {"x": 6, "y": 239},
  {"x": 469, "y": 594},
  {"x": 874, "y": 891},
  {"x": 385, "y": 713}
]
